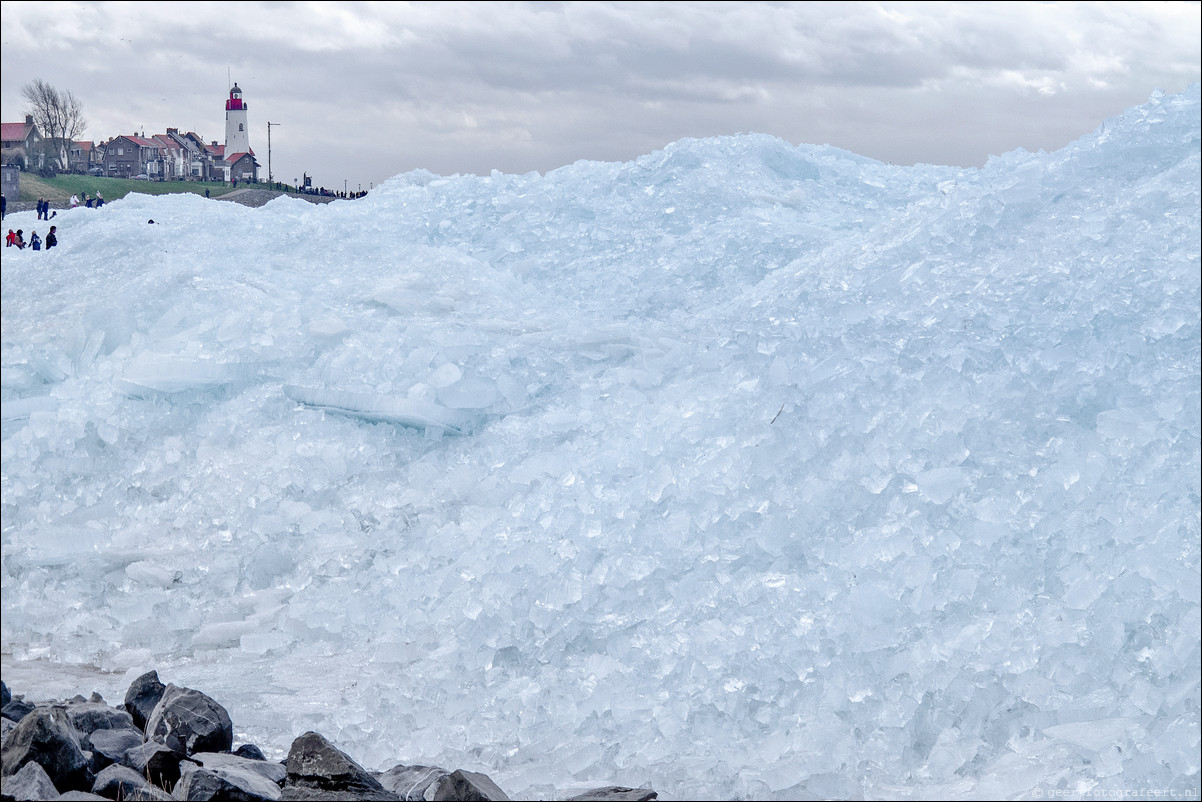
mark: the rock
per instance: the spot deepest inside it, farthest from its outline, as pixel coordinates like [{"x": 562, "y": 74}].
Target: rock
[
  {"x": 109, "y": 746},
  {"x": 31, "y": 783},
  {"x": 616, "y": 793},
  {"x": 250, "y": 752},
  {"x": 220, "y": 761},
  {"x": 16, "y": 709},
  {"x": 188, "y": 721},
  {"x": 463, "y": 786},
  {"x": 46, "y": 736},
  {"x": 90, "y": 717},
  {"x": 412, "y": 783},
  {"x": 143, "y": 695},
  {"x": 156, "y": 762},
  {"x": 227, "y": 783},
  {"x": 80, "y": 796},
  {"x": 5, "y": 695},
  {"x": 318, "y": 770},
  {"x": 122, "y": 782}
]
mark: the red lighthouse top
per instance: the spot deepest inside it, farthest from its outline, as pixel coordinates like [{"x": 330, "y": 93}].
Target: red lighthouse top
[{"x": 235, "y": 101}]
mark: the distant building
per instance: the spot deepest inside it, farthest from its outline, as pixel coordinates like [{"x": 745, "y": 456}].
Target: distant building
[
  {"x": 83, "y": 156},
  {"x": 239, "y": 157},
  {"x": 19, "y": 141},
  {"x": 10, "y": 180},
  {"x": 130, "y": 156}
]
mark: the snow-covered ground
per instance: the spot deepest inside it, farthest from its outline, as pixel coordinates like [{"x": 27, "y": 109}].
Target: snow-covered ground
[{"x": 738, "y": 470}]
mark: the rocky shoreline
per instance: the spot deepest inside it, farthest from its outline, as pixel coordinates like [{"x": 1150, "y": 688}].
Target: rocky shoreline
[{"x": 166, "y": 742}]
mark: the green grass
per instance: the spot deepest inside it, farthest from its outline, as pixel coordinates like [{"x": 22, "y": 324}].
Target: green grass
[{"x": 58, "y": 190}]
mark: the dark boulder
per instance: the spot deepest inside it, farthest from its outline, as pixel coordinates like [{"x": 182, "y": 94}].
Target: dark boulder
[
  {"x": 616, "y": 793},
  {"x": 16, "y": 709},
  {"x": 122, "y": 782},
  {"x": 188, "y": 721},
  {"x": 229, "y": 783},
  {"x": 222, "y": 761},
  {"x": 143, "y": 695},
  {"x": 469, "y": 786},
  {"x": 45, "y": 736},
  {"x": 413, "y": 783},
  {"x": 318, "y": 770},
  {"x": 5, "y": 695},
  {"x": 250, "y": 752},
  {"x": 30, "y": 784},
  {"x": 156, "y": 762},
  {"x": 109, "y": 746},
  {"x": 90, "y": 717}
]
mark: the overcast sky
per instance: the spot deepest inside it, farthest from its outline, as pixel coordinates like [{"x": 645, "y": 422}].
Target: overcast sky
[{"x": 365, "y": 91}]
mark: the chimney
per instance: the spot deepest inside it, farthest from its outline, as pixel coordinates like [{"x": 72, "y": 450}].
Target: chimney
[{"x": 29, "y": 119}]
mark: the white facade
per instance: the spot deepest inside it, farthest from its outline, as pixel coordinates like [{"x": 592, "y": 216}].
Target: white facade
[{"x": 237, "y": 130}]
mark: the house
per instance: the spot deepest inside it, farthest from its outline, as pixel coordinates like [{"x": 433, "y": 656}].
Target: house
[
  {"x": 129, "y": 156},
  {"x": 198, "y": 165},
  {"x": 172, "y": 160},
  {"x": 84, "y": 156},
  {"x": 243, "y": 167},
  {"x": 19, "y": 141}
]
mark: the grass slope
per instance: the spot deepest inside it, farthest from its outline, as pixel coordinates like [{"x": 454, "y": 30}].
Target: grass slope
[{"x": 58, "y": 190}]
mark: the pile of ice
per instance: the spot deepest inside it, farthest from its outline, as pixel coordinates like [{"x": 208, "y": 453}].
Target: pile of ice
[{"x": 741, "y": 469}]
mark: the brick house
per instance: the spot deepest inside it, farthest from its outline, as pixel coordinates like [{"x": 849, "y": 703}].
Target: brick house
[
  {"x": 19, "y": 140},
  {"x": 128, "y": 156},
  {"x": 243, "y": 167},
  {"x": 82, "y": 156}
]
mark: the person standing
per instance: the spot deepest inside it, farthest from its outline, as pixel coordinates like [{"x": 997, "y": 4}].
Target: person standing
[
  {"x": 35, "y": 241},
  {"x": 74, "y": 200},
  {"x": 87, "y": 201},
  {"x": 99, "y": 200},
  {"x": 51, "y": 238},
  {"x": 3, "y": 206}
]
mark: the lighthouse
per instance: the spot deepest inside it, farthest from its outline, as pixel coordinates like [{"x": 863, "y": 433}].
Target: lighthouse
[
  {"x": 237, "y": 134},
  {"x": 240, "y": 164}
]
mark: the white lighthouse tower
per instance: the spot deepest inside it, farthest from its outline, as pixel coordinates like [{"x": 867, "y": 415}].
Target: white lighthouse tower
[{"x": 237, "y": 133}]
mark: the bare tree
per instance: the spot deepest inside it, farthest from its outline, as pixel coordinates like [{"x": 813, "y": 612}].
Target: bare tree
[{"x": 58, "y": 115}]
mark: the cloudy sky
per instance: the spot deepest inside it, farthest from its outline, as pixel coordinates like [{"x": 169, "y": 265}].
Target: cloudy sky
[{"x": 365, "y": 91}]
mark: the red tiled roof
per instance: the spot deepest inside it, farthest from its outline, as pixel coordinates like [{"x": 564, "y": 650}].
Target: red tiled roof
[{"x": 17, "y": 131}]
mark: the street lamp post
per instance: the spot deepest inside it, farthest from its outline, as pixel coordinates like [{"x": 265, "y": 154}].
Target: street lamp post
[{"x": 269, "y": 177}]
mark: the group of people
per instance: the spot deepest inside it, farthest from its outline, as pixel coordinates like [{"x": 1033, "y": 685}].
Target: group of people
[
  {"x": 96, "y": 202},
  {"x": 44, "y": 212},
  {"x": 17, "y": 238}
]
